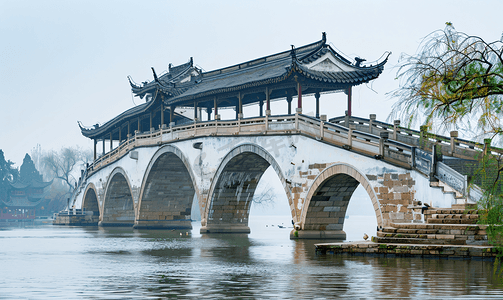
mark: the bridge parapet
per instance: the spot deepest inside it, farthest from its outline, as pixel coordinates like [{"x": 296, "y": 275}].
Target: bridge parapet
[
  {"x": 449, "y": 146},
  {"x": 335, "y": 134}
]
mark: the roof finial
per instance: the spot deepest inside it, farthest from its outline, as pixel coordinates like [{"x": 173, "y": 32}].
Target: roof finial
[
  {"x": 155, "y": 75},
  {"x": 324, "y": 37},
  {"x": 292, "y": 53},
  {"x": 359, "y": 61},
  {"x": 191, "y": 61}
]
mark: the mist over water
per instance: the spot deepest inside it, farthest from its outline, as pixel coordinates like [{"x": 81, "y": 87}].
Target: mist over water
[{"x": 113, "y": 263}]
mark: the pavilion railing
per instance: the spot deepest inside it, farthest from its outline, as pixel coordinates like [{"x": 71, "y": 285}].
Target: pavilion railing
[{"x": 397, "y": 145}]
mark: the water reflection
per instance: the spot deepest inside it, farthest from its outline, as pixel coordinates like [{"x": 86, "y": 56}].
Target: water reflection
[{"x": 66, "y": 263}]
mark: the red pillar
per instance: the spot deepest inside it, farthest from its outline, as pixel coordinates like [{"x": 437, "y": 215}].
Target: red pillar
[{"x": 299, "y": 97}]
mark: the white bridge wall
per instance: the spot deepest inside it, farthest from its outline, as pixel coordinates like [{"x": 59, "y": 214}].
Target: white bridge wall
[{"x": 293, "y": 153}]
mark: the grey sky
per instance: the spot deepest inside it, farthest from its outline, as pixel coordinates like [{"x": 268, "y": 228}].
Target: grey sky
[{"x": 63, "y": 61}]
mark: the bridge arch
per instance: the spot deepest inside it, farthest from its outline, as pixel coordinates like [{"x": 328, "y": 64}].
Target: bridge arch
[
  {"x": 324, "y": 210},
  {"x": 233, "y": 186},
  {"x": 118, "y": 204},
  {"x": 90, "y": 203},
  {"x": 167, "y": 191}
]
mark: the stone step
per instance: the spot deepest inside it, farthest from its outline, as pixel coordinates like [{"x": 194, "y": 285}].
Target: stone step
[
  {"x": 409, "y": 230},
  {"x": 417, "y": 241},
  {"x": 401, "y": 235},
  {"x": 464, "y": 206},
  {"x": 432, "y": 211},
  {"x": 464, "y": 237},
  {"x": 453, "y": 216},
  {"x": 476, "y": 227},
  {"x": 446, "y": 189},
  {"x": 472, "y": 231},
  {"x": 451, "y": 221}
]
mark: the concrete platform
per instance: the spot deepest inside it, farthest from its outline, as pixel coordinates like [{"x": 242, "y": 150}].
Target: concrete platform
[{"x": 465, "y": 252}]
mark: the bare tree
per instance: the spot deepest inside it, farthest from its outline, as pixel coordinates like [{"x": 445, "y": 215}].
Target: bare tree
[
  {"x": 265, "y": 197},
  {"x": 62, "y": 164}
]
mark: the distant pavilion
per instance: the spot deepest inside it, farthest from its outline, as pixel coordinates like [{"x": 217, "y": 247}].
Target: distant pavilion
[
  {"x": 22, "y": 201},
  {"x": 312, "y": 69}
]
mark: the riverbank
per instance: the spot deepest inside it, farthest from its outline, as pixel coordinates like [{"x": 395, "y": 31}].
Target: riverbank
[{"x": 359, "y": 248}]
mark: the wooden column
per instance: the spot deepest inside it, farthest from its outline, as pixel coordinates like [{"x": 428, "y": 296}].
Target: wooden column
[
  {"x": 240, "y": 105},
  {"x": 195, "y": 111},
  {"x": 128, "y": 128},
  {"x": 215, "y": 107},
  {"x": 120, "y": 135},
  {"x": 162, "y": 114},
  {"x": 289, "y": 100},
  {"x": 150, "y": 121},
  {"x": 111, "y": 142},
  {"x": 171, "y": 114},
  {"x": 208, "y": 110},
  {"x": 139, "y": 125},
  {"x": 349, "y": 101},
  {"x": 299, "y": 96},
  {"x": 268, "y": 101},
  {"x": 103, "y": 146},
  {"x": 317, "y": 96},
  {"x": 95, "y": 142},
  {"x": 261, "y": 108}
]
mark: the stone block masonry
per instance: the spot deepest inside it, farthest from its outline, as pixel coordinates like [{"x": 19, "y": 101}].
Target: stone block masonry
[{"x": 395, "y": 193}]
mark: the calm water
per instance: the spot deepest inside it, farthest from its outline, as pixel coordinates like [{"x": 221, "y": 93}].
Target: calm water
[{"x": 96, "y": 263}]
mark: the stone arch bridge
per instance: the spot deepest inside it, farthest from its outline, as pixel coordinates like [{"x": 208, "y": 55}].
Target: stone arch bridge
[{"x": 151, "y": 179}]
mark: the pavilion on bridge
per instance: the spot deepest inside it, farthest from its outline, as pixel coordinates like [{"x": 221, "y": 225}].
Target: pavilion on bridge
[{"x": 312, "y": 69}]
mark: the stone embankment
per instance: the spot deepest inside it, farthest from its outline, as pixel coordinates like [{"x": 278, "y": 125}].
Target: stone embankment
[{"x": 446, "y": 233}]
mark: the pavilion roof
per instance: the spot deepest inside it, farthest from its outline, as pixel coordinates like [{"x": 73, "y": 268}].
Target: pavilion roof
[
  {"x": 262, "y": 71},
  {"x": 185, "y": 84},
  {"x": 22, "y": 202},
  {"x": 96, "y": 130},
  {"x": 34, "y": 184}
]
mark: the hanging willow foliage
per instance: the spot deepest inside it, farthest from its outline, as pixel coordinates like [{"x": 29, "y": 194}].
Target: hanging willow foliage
[{"x": 454, "y": 78}]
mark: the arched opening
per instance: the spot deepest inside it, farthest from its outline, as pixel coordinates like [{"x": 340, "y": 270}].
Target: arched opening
[
  {"x": 91, "y": 206},
  {"x": 231, "y": 194},
  {"x": 118, "y": 209},
  {"x": 360, "y": 216},
  {"x": 324, "y": 212},
  {"x": 167, "y": 193},
  {"x": 270, "y": 213}
]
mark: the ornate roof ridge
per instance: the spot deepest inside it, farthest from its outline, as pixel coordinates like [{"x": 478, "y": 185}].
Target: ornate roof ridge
[{"x": 272, "y": 57}]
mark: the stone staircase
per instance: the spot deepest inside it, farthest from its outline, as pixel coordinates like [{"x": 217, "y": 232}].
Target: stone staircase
[
  {"x": 442, "y": 226},
  {"x": 446, "y": 189}
]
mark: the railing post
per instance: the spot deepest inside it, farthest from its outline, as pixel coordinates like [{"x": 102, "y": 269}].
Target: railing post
[
  {"x": 266, "y": 122},
  {"x": 434, "y": 161},
  {"x": 217, "y": 117},
  {"x": 350, "y": 138},
  {"x": 372, "y": 118},
  {"x": 322, "y": 124},
  {"x": 346, "y": 119},
  {"x": 423, "y": 136},
  {"x": 239, "y": 121},
  {"x": 171, "y": 124},
  {"x": 413, "y": 156},
  {"x": 323, "y": 119},
  {"x": 454, "y": 136},
  {"x": 383, "y": 137},
  {"x": 297, "y": 121},
  {"x": 396, "y": 124}
]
